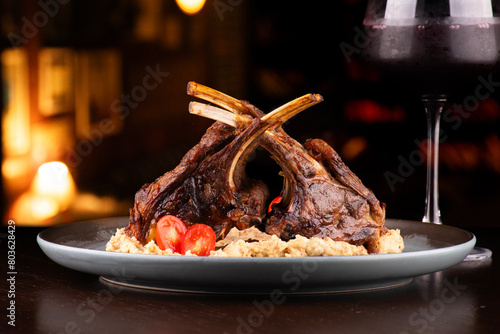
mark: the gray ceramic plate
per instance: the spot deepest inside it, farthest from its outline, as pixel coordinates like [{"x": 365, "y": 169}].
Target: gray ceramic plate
[{"x": 428, "y": 248}]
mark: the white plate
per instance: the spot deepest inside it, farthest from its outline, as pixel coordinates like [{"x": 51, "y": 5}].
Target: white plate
[{"x": 428, "y": 248}]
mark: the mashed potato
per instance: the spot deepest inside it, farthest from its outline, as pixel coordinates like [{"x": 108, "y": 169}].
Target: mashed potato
[{"x": 254, "y": 243}]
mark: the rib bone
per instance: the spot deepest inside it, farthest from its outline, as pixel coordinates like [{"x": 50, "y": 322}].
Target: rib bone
[
  {"x": 210, "y": 185},
  {"x": 321, "y": 195}
]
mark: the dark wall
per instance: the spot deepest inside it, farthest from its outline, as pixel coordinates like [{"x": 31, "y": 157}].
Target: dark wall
[{"x": 269, "y": 52}]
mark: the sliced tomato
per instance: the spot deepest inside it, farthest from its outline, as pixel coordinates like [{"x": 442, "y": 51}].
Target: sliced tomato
[
  {"x": 273, "y": 202},
  {"x": 170, "y": 232},
  {"x": 199, "y": 239}
]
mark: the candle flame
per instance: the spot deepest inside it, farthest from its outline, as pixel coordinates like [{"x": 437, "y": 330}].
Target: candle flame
[{"x": 190, "y": 7}]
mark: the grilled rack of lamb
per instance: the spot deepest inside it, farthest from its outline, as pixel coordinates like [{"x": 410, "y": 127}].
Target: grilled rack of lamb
[
  {"x": 321, "y": 197},
  {"x": 210, "y": 185}
]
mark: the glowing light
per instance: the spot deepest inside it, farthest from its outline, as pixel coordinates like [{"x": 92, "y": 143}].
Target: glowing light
[
  {"x": 16, "y": 113},
  {"x": 32, "y": 209},
  {"x": 190, "y": 7},
  {"x": 43, "y": 207},
  {"x": 16, "y": 167},
  {"x": 54, "y": 180}
]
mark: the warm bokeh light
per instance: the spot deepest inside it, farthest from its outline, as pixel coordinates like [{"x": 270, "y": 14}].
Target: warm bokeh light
[
  {"x": 52, "y": 192},
  {"x": 13, "y": 168},
  {"x": 16, "y": 112},
  {"x": 32, "y": 209},
  {"x": 190, "y": 7},
  {"x": 53, "y": 180}
]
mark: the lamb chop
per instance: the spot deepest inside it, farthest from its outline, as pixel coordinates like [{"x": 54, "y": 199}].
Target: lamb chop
[
  {"x": 209, "y": 185},
  {"x": 321, "y": 197}
]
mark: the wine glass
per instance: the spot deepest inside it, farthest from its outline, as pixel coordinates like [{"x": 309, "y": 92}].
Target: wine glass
[{"x": 437, "y": 49}]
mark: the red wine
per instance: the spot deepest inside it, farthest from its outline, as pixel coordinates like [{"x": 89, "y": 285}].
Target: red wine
[{"x": 440, "y": 57}]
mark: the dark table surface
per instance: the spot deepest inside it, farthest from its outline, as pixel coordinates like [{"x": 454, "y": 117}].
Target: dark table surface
[{"x": 52, "y": 299}]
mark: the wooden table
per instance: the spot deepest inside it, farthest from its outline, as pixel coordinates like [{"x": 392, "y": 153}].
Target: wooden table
[{"x": 52, "y": 299}]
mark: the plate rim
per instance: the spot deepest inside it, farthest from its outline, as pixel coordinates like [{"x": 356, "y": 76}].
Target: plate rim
[
  {"x": 332, "y": 273},
  {"x": 42, "y": 240}
]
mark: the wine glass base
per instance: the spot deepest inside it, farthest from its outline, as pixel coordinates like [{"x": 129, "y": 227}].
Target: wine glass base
[{"x": 478, "y": 254}]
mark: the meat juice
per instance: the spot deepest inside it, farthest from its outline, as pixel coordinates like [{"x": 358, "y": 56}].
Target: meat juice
[{"x": 439, "y": 56}]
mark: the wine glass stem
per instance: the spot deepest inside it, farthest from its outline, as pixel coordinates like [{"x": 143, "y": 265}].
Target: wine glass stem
[{"x": 433, "y": 107}]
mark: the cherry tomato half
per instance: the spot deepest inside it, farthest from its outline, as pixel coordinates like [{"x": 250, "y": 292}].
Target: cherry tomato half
[
  {"x": 170, "y": 231},
  {"x": 273, "y": 202},
  {"x": 199, "y": 239}
]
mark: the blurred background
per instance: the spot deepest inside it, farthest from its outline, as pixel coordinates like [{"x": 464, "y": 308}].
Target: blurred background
[{"x": 94, "y": 104}]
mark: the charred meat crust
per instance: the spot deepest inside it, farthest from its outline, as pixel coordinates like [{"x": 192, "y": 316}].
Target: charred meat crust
[
  {"x": 150, "y": 196},
  {"x": 327, "y": 199},
  {"x": 198, "y": 190},
  {"x": 322, "y": 197}
]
